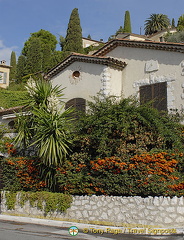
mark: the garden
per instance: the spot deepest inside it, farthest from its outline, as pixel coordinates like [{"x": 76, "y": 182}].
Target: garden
[{"x": 117, "y": 148}]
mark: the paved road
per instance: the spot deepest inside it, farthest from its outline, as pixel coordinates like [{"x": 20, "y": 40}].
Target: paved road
[{"x": 25, "y": 231}]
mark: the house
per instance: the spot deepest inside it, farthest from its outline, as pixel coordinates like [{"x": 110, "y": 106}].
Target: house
[
  {"x": 86, "y": 42},
  {"x": 4, "y": 74},
  {"x": 8, "y": 116},
  {"x": 157, "y": 37},
  {"x": 147, "y": 70}
]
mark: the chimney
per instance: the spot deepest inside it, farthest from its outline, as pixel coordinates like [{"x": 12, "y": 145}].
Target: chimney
[{"x": 3, "y": 62}]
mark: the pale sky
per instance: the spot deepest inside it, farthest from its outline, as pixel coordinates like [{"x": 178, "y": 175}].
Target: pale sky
[{"x": 99, "y": 18}]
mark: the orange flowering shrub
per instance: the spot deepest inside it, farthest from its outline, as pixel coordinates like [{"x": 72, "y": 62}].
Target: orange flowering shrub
[
  {"x": 10, "y": 149},
  {"x": 21, "y": 174},
  {"x": 148, "y": 174}
]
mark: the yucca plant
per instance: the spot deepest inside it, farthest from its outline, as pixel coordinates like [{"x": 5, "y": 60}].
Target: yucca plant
[{"x": 45, "y": 124}]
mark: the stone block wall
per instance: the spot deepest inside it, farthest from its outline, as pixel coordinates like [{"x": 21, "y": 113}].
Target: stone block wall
[{"x": 157, "y": 211}]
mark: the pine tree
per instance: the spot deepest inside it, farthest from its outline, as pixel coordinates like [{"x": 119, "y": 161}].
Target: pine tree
[
  {"x": 13, "y": 65},
  {"x": 73, "y": 40},
  {"x": 21, "y": 64},
  {"x": 127, "y": 23}
]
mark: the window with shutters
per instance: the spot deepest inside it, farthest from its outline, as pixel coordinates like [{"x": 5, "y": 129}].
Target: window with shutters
[
  {"x": 156, "y": 94},
  {"x": 3, "y": 77},
  {"x": 78, "y": 103}
]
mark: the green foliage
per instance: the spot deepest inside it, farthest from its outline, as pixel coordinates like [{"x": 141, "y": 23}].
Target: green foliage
[
  {"x": 148, "y": 174},
  {"x": 173, "y": 23},
  {"x": 10, "y": 99},
  {"x": 46, "y": 201},
  {"x": 177, "y": 37},
  {"x": 10, "y": 200},
  {"x": 73, "y": 40},
  {"x": 21, "y": 174},
  {"x": 155, "y": 23},
  {"x": 123, "y": 128},
  {"x": 120, "y": 30},
  {"x": 91, "y": 48},
  {"x": 127, "y": 23},
  {"x": 45, "y": 37},
  {"x": 180, "y": 25},
  {"x": 34, "y": 57},
  {"x": 47, "y": 127},
  {"x": 13, "y": 65},
  {"x": 21, "y": 67}
]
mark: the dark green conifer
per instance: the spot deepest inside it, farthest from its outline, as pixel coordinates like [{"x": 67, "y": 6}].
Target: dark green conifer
[
  {"x": 73, "y": 40},
  {"x": 34, "y": 57},
  {"x": 13, "y": 65},
  {"x": 127, "y": 23},
  {"x": 21, "y": 64}
]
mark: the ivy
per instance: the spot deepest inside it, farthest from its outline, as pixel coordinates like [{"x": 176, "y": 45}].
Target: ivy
[
  {"x": 10, "y": 200},
  {"x": 46, "y": 201}
]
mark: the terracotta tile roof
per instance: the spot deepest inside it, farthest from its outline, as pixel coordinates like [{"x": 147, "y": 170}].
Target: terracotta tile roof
[
  {"x": 109, "y": 46},
  {"x": 108, "y": 61},
  {"x": 10, "y": 110}
]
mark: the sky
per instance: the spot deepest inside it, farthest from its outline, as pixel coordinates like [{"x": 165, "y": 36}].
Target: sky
[{"x": 99, "y": 18}]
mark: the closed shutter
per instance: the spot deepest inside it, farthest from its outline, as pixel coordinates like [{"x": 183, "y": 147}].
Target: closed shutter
[
  {"x": 78, "y": 103},
  {"x": 5, "y": 77},
  {"x": 160, "y": 96},
  {"x": 157, "y": 93}
]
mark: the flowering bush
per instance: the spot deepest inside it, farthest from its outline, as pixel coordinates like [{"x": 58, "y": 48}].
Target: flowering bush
[
  {"x": 148, "y": 174},
  {"x": 21, "y": 173}
]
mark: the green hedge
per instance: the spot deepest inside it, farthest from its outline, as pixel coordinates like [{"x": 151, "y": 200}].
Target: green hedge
[{"x": 10, "y": 99}]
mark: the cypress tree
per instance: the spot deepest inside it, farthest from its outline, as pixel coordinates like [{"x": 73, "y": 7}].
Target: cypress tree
[
  {"x": 173, "y": 23},
  {"x": 21, "y": 64},
  {"x": 127, "y": 23},
  {"x": 73, "y": 40},
  {"x": 46, "y": 60},
  {"x": 34, "y": 57},
  {"x": 13, "y": 65}
]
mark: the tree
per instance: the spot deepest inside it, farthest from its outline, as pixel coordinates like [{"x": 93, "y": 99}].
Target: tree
[
  {"x": 120, "y": 30},
  {"x": 180, "y": 25},
  {"x": 13, "y": 65},
  {"x": 155, "y": 23},
  {"x": 173, "y": 23},
  {"x": 45, "y": 38},
  {"x": 177, "y": 37},
  {"x": 21, "y": 66},
  {"x": 39, "y": 51},
  {"x": 34, "y": 57},
  {"x": 127, "y": 23},
  {"x": 73, "y": 40}
]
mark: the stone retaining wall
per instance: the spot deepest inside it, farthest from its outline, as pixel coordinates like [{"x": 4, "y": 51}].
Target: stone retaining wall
[{"x": 157, "y": 211}]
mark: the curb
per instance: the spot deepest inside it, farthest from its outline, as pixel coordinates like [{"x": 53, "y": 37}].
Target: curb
[{"x": 89, "y": 227}]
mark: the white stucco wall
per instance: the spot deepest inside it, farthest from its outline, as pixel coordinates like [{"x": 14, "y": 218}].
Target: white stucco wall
[
  {"x": 92, "y": 79},
  {"x": 170, "y": 70}
]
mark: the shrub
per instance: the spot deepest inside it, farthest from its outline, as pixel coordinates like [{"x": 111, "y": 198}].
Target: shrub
[
  {"x": 148, "y": 174},
  {"x": 123, "y": 128},
  {"x": 20, "y": 173}
]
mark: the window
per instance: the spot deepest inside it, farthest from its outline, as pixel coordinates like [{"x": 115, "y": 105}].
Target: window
[
  {"x": 3, "y": 76},
  {"x": 157, "y": 93},
  {"x": 76, "y": 74},
  {"x": 78, "y": 103}
]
